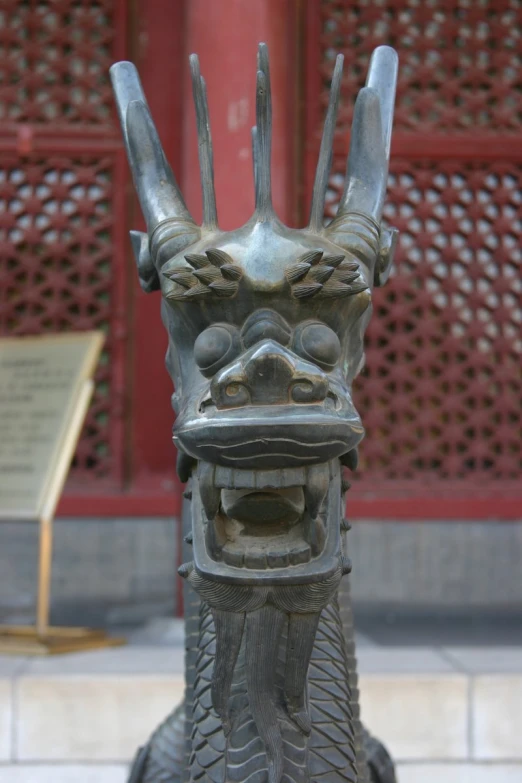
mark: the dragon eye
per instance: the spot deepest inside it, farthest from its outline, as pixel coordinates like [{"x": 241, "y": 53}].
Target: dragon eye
[
  {"x": 317, "y": 342},
  {"x": 216, "y": 347}
]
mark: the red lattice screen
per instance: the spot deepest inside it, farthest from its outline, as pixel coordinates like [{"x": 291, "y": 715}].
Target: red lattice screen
[
  {"x": 441, "y": 395},
  {"x": 61, "y": 185}
]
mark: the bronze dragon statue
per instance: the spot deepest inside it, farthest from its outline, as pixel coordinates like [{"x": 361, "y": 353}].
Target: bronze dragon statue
[{"x": 266, "y": 326}]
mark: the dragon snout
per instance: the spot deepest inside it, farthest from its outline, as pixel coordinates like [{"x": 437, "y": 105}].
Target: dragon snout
[{"x": 268, "y": 374}]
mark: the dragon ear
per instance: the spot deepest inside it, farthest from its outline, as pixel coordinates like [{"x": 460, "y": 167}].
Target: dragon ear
[
  {"x": 367, "y": 169},
  {"x": 356, "y": 226},
  {"x": 162, "y": 204}
]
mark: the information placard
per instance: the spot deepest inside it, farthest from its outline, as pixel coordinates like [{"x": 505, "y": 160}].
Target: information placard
[{"x": 43, "y": 382}]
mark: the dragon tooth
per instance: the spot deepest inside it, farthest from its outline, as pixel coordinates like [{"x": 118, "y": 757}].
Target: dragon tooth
[
  {"x": 209, "y": 493},
  {"x": 316, "y": 488},
  {"x": 185, "y": 569},
  {"x": 184, "y": 466},
  {"x": 214, "y": 548},
  {"x": 350, "y": 459},
  {"x": 299, "y": 555},
  {"x": 233, "y": 557},
  {"x": 345, "y": 485},
  {"x": 346, "y": 565},
  {"x": 277, "y": 559},
  {"x": 255, "y": 559}
]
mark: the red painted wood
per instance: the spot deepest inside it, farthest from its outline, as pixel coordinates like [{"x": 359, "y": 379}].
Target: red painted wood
[
  {"x": 61, "y": 142},
  {"x": 119, "y": 324},
  {"x": 159, "y": 57},
  {"x": 430, "y": 508},
  {"x": 62, "y": 251},
  {"x": 474, "y": 140},
  {"x": 440, "y": 394},
  {"x": 313, "y": 114},
  {"x": 225, "y": 35},
  {"x": 441, "y": 146}
]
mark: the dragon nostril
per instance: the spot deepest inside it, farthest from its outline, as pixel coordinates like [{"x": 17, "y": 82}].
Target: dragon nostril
[
  {"x": 268, "y": 374},
  {"x": 304, "y": 390},
  {"x": 231, "y": 395}
]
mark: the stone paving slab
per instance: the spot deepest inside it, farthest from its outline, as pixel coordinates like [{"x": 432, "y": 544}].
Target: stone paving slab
[
  {"x": 90, "y": 717},
  {"x": 497, "y": 717},
  {"x": 447, "y": 714},
  {"x": 64, "y": 773},
  {"x": 117, "y": 773},
  {"x": 6, "y": 719},
  {"x": 124, "y": 660},
  {"x": 418, "y": 716},
  {"x": 485, "y": 660},
  {"x": 404, "y": 660},
  {"x": 459, "y": 773}
]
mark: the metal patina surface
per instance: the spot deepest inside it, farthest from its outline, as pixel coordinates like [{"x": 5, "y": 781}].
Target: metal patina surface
[{"x": 266, "y": 328}]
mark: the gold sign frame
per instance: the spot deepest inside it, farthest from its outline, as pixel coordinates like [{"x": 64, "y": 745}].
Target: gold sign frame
[{"x": 45, "y": 390}]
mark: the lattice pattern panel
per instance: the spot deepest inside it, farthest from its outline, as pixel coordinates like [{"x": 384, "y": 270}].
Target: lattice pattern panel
[
  {"x": 461, "y": 60},
  {"x": 55, "y": 267},
  {"x": 442, "y": 391},
  {"x": 54, "y": 60}
]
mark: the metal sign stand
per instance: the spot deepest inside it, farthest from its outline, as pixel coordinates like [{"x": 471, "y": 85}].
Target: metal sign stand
[{"x": 42, "y": 638}]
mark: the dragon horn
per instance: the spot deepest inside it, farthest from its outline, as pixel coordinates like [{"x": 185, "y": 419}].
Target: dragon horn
[
  {"x": 263, "y": 138},
  {"x": 206, "y": 162},
  {"x": 161, "y": 200},
  {"x": 324, "y": 162},
  {"x": 382, "y": 77},
  {"x": 367, "y": 169}
]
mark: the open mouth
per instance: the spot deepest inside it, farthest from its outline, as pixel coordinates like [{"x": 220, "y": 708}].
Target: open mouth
[{"x": 254, "y": 524}]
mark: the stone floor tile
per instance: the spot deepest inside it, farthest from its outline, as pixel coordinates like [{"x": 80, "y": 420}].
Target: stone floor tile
[
  {"x": 497, "y": 717},
  {"x": 90, "y": 718},
  {"x": 159, "y": 631},
  {"x": 486, "y": 660},
  {"x": 6, "y": 717},
  {"x": 63, "y": 773},
  {"x": 418, "y": 716},
  {"x": 459, "y": 773},
  {"x": 133, "y": 659},
  {"x": 11, "y": 665},
  {"x": 403, "y": 660}
]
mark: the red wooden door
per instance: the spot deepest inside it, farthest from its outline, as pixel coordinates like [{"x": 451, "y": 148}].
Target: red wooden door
[
  {"x": 441, "y": 395},
  {"x": 62, "y": 181},
  {"x": 66, "y": 207}
]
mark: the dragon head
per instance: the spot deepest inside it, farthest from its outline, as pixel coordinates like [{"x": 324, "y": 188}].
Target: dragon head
[{"x": 266, "y": 326}]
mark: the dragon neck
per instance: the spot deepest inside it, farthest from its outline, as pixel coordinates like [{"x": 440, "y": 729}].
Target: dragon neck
[
  {"x": 330, "y": 752},
  {"x": 246, "y": 727}
]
